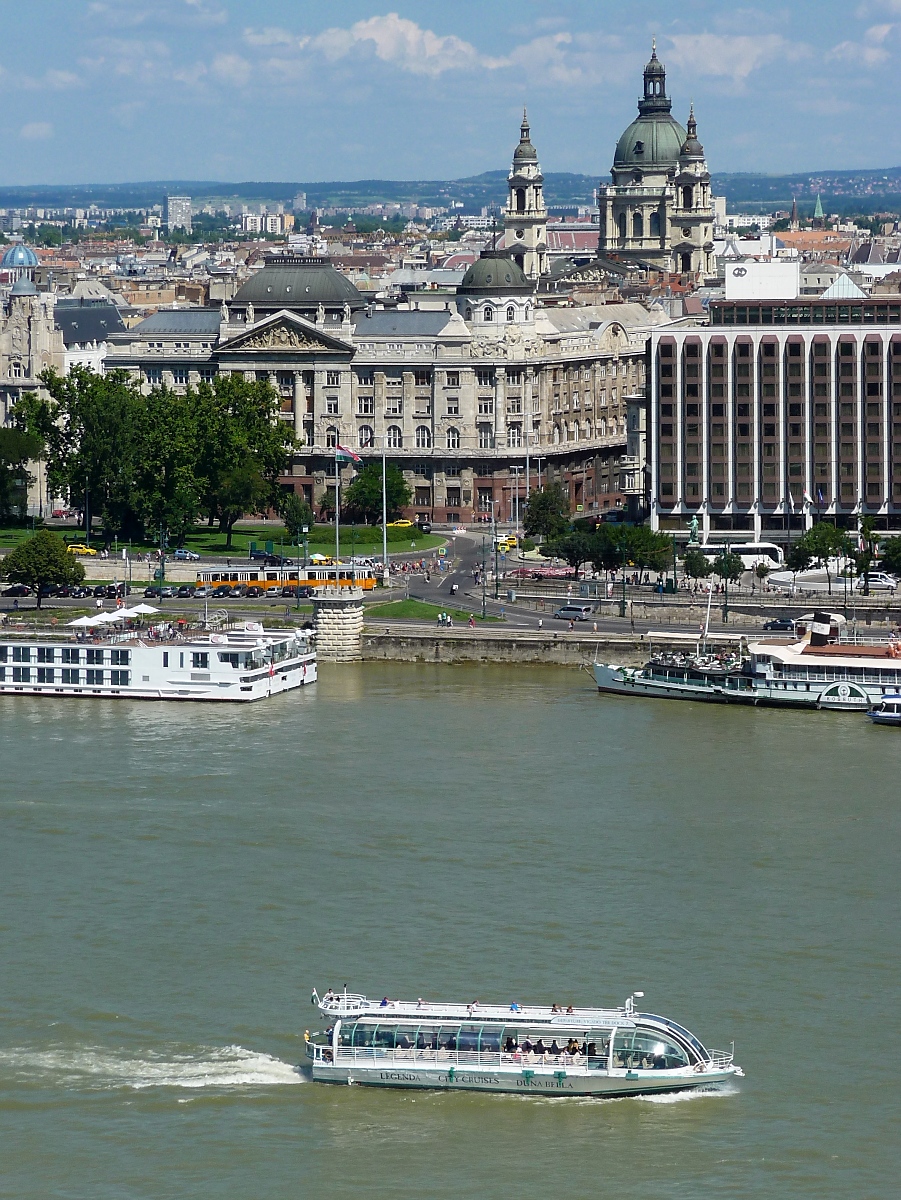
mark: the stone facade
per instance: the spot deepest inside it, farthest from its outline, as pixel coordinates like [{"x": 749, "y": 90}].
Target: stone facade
[{"x": 338, "y": 621}]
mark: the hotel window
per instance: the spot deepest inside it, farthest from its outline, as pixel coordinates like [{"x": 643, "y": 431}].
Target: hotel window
[
  {"x": 94, "y": 677},
  {"x": 485, "y": 378},
  {"x": 486, "y": 406},
  {"x": 423, "y": 378},
  {"x": 453, "y": 497},
  {"x": 332, "y": 379},
  {"x": 95, "y": 657},
  {"x": 331, "y": 406},
  {"x": 453, "y": 439},
  {"x": 394, "y": 437},
  {"x": 365, "y": 436},
  {"x": 180, "y": 376},
  {"x": 71, "y": 675},
  {"x": 365, "y": 406},
  {"x": 423, "y": 437},
  {"x": 452, "y": 379},
  {"x": 453, "y": 406},
  {"x": 331, "y": 437},
  {"x": 21, "y": 674},
  {"x": 120, "y": 658},
  {"x": 46, "y": 675},
  {"x": 365, "y": 378},
  {"x": 485, "y": 439}
]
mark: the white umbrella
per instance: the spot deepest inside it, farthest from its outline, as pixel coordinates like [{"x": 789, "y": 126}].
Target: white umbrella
[
  {"x": 83, "y": 621},
  {"x": 127, "y": 613},
  {"x": 143, "y": 610},
  {"x": 108, "y": 618}
]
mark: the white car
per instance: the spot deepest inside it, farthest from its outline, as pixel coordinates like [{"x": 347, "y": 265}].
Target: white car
[{"x": 879, "y": 582}]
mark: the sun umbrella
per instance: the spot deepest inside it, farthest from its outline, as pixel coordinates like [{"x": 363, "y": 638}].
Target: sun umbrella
[
  {"x": 83, "y": 621},
  {"x": 140, "y": 610}
]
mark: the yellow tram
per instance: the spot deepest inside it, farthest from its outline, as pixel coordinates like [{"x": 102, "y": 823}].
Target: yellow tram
[{"x": 275, "y": 578}]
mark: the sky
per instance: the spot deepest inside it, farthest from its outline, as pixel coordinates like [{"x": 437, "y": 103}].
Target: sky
[{"x": 129, "y": 90}]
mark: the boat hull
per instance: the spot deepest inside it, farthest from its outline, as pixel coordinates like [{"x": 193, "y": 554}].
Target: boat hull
[{"x": 538, "y": 1080}]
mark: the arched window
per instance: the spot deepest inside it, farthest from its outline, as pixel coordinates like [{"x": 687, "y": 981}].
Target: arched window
[
  {"x": 528, "y": 312},
  {"x": 469, "y": 314},
  {"x": 622, "y": 225},
  {"x": 637, "y": 225},
  {"x": 655, "y": 224},
  {"x": 520, "y": 199},
  {"x": 365, "y": 436},
  {"x": 587, "y": 430},
  {"x": 486, "y": 441},
  {"x": 453, "y": 439},
  {"x": 394, "y": 437},
  {"x": 556, "y": 435},
  {"x": 488, "y": 314},
  {"x": 511, "y": 313},
  {"x": 423, "y": 437},
  {"x": 331, "y": 437},
  {"x": 567, "y": 437},
  {"x": 602, "y": 427},
  {"x": 575, "y": 431},
  {"x": 688, "y": 195},
  {"x": 514, "y": 437}
]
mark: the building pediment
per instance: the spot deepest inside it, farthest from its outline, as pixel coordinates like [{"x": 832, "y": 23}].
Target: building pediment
[{"x": 285, "y": 332}]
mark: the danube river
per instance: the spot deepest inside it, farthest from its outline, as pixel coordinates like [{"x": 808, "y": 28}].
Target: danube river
[{"x": 175, "y": 880}]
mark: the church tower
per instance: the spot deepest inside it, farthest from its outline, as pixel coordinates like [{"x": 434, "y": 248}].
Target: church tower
[{"x": 525, "y": 217}]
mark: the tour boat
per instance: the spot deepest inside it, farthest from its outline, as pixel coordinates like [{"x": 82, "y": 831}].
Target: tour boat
[
  {"x": 887, "y": 711},
  {"x": 813, "y": 672},
  {"x": 520, "y": 1048},
  {"x": 161, "y": 663}
]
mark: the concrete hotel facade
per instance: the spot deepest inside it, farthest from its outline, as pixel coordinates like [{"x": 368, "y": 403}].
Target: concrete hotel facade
[{"x": 776, "y": 414}]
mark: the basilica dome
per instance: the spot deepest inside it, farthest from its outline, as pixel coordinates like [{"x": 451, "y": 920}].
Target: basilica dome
[
  {"x": 19, "y": 256},
  {"x": 655, "y": 138}
]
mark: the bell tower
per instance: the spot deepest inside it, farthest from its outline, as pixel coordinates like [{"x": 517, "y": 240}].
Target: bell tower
[{"x": 525, "y": 217}]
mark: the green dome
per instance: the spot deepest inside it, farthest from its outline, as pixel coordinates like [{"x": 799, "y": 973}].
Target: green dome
[
  {"x": 650, "y": 142},
  {"x": 494, "y": 274},
  {"x": 298, "y": 282}
]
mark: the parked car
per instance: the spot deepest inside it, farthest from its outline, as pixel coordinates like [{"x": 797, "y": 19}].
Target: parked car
[
  {"x": 79, "y": 593},
  {"x": 80, "y": 548},
  {"x": 47, "y": 589},
  {"x": 780, "y": 624},
  {"x": 254, "y": 592},
  {"x": 239, "y": 589},
  {"x": 222, "y": 590},
  {"x": 183, "y": 555},
  {"x": 276, "y": 560},
  {"x": 573, "y": 612},
  {"x": 425, "y": 526},
  {"x": 879, "y": 582},
  {"x": 18, "y": 589},
  {"x": 186, "y": 591},
  {"x": 202, "y": 591},
  {"x": 401, "y": 524}
]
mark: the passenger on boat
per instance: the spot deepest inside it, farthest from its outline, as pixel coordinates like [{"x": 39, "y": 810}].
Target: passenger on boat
[
  {"x": 570, "y": 1010},
  {"x": 555, "y": 1049},
  {"x": 573, "y": 1047},
  {"x": 555, "y": 1008},
  {"x": 526, "y": 1046},
  {"x": 540, "y": 1047},
  {"x": 510, "y": 1045},
  {"x": 514, "y": 1007},
  {"x": 385, "y": 1002}
]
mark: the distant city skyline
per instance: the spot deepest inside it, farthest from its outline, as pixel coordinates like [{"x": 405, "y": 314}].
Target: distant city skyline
[{"x": 123, "y": 90}]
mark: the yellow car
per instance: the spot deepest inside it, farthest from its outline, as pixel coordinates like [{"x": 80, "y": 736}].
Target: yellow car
[
  {"x": 506, "y": 543},
  {"x": 402, "y": 524},
  {"x": 79, "y": 549}
]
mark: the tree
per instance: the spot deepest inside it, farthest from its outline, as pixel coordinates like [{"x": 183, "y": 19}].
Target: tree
[
  {"x": 547, "y": 512},
  {"x": 574, "y": 548},
  {"x": 823, "y": 542},
  {"x": 729, "y": 565},
  {"x": 865, "y": 557},
  {"x": 166, "y": 492},
  {"x": 761, "y": 571},
  {"x": 647, "y": 548},
  {"x": 296, "y": 514},
  {"x": 16, "y": 450},
  {"x": 891, "y": 555},
  {"x": 798, "y": 558},
  {"x": 363, "y": 497},
  {"x": 695, "y": 564},
  {"x": 42, "y": 561}
]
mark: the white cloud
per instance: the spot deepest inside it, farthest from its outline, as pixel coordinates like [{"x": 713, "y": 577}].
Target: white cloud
[
  {"x": 270, "y": 36},
  {"x": 404, "y": 44},
  {"x": 36, "y": 131},
  {"x": 871, "y": 52},
  {"x": 727, "y": 55},
  {"x": 231, "y": 69}
]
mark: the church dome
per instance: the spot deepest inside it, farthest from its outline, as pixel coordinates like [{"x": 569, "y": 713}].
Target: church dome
[
  {"x": 20, "y": 256},
  {"x": 296, "y": 281},
  {"x": 525, "y": 151},
  {"x": 494, "y": 274},
  {"x": 655, "y": 139},
  {"x": 23, "y": 287}
]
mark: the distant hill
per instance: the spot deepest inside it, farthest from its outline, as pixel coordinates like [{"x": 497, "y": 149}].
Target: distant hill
[{"x": 842, "y": 191}]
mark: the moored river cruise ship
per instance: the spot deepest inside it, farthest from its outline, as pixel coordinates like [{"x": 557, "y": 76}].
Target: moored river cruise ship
[
  {"x": 509, "y": 1048},
  {"x": 161, "y": 663},
  {"x": 813, "y": 672}
]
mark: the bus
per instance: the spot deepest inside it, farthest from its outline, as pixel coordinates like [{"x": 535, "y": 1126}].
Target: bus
[
  {"x": 273, "y": 579},
  {"x": 751, "y": 553}
]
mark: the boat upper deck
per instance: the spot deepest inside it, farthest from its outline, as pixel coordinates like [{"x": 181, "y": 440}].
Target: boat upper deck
[{"x": 347, "y": 1006}]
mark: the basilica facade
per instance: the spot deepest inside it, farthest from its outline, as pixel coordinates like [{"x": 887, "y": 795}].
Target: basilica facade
[{"x": 657, "y": 211}]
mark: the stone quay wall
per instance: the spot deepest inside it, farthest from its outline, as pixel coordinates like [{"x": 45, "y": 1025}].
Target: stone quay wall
[{"x": 338, "y": 622}]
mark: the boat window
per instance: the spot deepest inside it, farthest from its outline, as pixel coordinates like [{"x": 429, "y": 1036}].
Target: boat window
[
  {"x": 405, "y": 1036},
  {"x": 447, "y": 1037},
  {"x": 491, "y": 1040},
  {"x": 468, "y": 1038},
  {"x": 384, "y": 1037},
  {"x": 363, "y": 1035}
]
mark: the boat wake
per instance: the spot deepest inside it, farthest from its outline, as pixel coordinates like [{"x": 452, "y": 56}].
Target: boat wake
[
  {"x": 100, "y": 1069},
  {"x": 714, "y": 1091}
]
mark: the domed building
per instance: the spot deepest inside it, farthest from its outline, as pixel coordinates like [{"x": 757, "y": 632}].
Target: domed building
[
  {"x": 658, "y": 211},
  {"x": 525, "y": 218},
  {"x": 309, "y": 286},
  {"x": 495, "y": 291},
  {"x": 18, "y": 261}
]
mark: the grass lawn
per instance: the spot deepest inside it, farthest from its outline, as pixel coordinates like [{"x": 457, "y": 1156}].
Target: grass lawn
[
  {"x": 418, "y": 610},
  {"x": 205, "y": 541}
]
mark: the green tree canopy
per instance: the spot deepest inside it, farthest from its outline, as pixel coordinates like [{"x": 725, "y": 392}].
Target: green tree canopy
[
  {"x": 824, "y": 542},
  {"x": 695, "y": 564},
  {"x": 16, "y": 450},
  {"x": 363, "y": 497},
  {"x": 296, "y": 514},
  {"x": 547, "y": 512},
  {"x": 40, "y": 561},
  {"x": 729, "y": 565},
  {"x": 574, "y": 548},
  {"x": 891, "y": 555}
]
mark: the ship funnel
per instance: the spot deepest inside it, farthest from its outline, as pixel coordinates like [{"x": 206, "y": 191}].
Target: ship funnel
[{"x": 819, "y": 629}]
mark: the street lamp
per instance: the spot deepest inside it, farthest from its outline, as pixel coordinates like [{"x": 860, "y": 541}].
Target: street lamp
[
  {"x": 622, "y": 603},
  {"x": 306, "y": 530}
]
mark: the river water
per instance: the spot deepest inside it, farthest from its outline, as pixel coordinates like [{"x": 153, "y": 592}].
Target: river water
[{"x": 175, "y": 880}]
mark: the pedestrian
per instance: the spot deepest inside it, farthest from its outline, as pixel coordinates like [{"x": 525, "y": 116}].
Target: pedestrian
[
  {"x": 472, "y": 622},
  {"x": 541, "y": 623},
  {"x": 595, "y": 627},
  {"x": 16, "y": 605}
]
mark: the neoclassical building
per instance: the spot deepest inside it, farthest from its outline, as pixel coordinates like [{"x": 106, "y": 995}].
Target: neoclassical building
[
  {"x": 465, "y": 389},
  {"x": 657, "y": 211}
]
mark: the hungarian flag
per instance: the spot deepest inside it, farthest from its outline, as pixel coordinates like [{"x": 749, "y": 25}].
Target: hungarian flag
[{"x": 343, "y": 455}]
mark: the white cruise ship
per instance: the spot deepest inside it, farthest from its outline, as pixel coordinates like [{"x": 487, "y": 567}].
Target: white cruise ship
[
  {"x": 160, "y": 663},
  {"x": 509, "y": 1048}
]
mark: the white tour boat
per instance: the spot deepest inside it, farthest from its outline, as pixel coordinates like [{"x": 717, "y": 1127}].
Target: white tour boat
[
  {"x": 160, "y": 663},
  {"x": 509, "y": 1048},
  {"x": 813, "y": 672}
]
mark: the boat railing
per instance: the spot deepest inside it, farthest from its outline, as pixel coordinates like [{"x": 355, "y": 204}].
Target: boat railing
[
  {"x": 458, "y": 1058},
  {"x": 344, "y": 1004},
  {"x": 720, "y": 1059}
]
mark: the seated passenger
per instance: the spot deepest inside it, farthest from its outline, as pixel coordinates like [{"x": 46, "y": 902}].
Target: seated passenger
[
  {"x": 555, "y": 1049},
  {"x": 540, "y": 1047},
  {"x": 570, "y": 1010},
  {"x": 384, "y": 1003},
  {"x": 509, "y": 1046},
  {"x": 555, "y": 1008}
]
